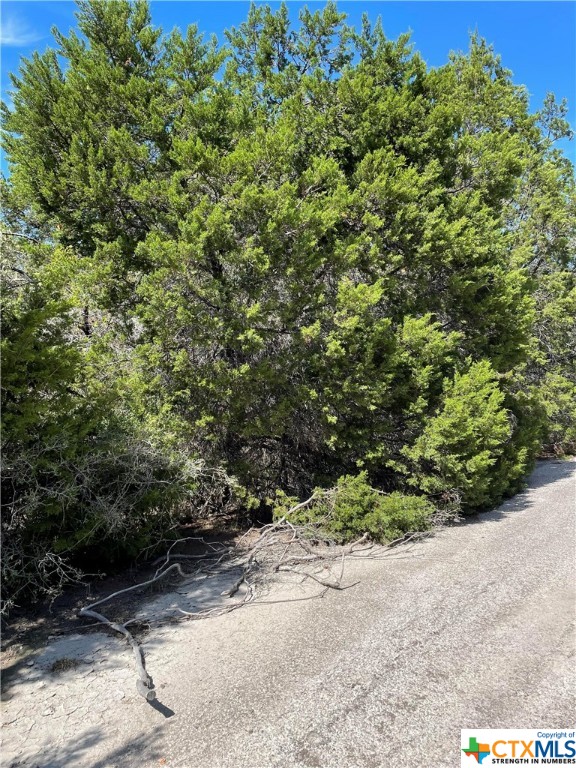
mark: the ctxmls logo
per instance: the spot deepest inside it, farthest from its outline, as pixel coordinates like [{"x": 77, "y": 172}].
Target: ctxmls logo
[
  {"x": 474, "y": 749},
  {"x": 533, "y": 746}
]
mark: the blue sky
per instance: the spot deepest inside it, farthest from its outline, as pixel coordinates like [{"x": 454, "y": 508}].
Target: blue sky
[{"x": 537, "y": 40}]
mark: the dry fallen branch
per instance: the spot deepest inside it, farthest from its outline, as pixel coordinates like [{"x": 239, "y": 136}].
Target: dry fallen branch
[
  {"x": 144, "y": 684},
  {"x": 279, "y": 547}
]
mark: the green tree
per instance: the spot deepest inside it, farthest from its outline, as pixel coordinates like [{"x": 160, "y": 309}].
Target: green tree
[{"x": 298, "y": 256}]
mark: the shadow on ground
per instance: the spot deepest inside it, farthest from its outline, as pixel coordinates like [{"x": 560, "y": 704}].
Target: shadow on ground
[
  {"x": 546, "y": 472},
  {"x": 80, "y": 752}
]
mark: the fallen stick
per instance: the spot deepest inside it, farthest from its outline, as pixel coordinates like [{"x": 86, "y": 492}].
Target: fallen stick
[
  {"x": 144, "y": 684},
  {"x": 273, "y": 548},
  {"x": 141, "y": 585}
]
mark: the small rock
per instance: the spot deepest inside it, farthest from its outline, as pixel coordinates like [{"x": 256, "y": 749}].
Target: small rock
[
  {"x": 48, "y": 712},
  {"x": 30, "y": 663},
  {"x": 118, "y": 695}
]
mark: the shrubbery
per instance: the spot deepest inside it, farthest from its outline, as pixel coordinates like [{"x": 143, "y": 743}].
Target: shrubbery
[
  {"x": 82, "y": 476},
  {"x": 473, "y": 445},
  {"x": 353, "y": 508},
  {"x": 301, "y": 257}
]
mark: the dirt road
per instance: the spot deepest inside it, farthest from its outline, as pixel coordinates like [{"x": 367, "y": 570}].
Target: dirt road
[{"x": 473, "y": 628}]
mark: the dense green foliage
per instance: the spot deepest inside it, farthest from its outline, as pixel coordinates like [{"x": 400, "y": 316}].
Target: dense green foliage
[
  {"x": 296, "y": 257},
  {"x": 353, "y": 508}
]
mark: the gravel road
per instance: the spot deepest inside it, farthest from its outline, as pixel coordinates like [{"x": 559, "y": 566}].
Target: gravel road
[{"x": 473, "y": 628}]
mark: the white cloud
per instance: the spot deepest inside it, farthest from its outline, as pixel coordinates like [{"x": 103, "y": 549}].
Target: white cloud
[{"x": 15, "y": 33}]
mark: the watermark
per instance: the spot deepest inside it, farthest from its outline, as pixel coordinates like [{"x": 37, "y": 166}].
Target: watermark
[{"x": 517, "y": 746}]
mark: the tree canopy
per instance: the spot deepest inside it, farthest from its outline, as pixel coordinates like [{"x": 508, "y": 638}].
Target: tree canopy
[{"x": 232, "y": 270}]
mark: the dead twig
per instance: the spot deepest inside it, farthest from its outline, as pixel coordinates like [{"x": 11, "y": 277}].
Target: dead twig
[
  {"x": 144, "y": 684},
  {"x": 281, "y": 546}
]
